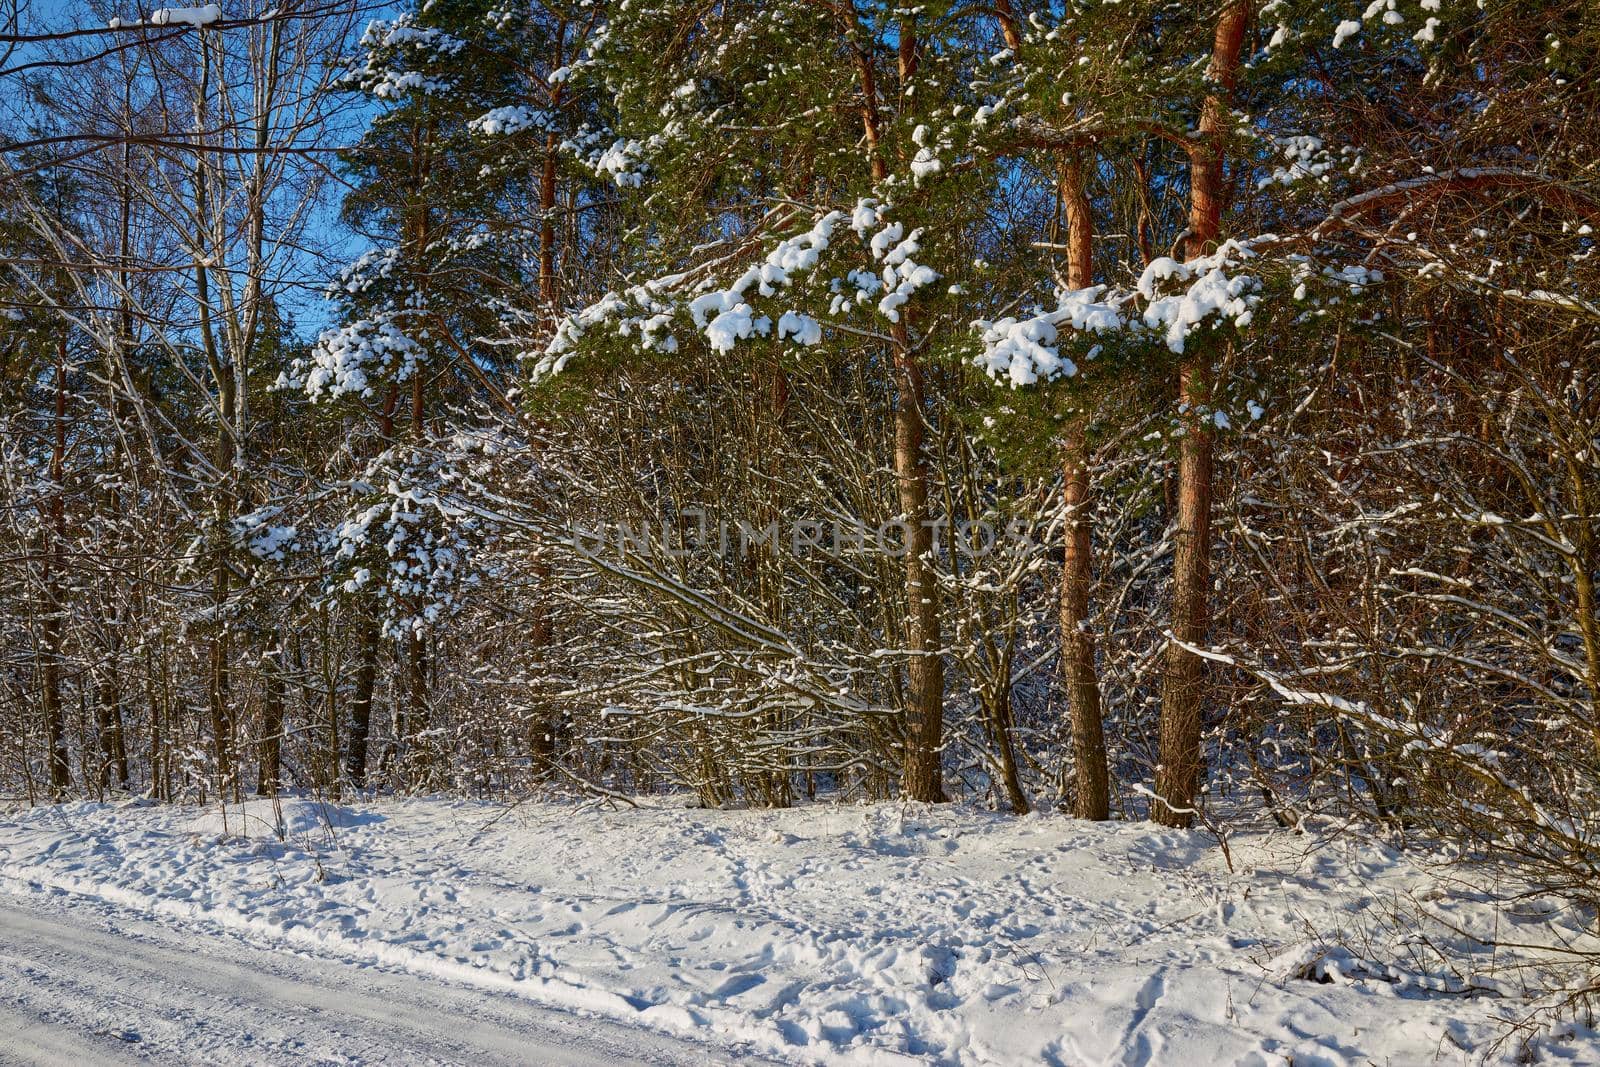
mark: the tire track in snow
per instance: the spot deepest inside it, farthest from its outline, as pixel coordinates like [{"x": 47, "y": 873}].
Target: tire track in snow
[{"x": 75, "y": 975}]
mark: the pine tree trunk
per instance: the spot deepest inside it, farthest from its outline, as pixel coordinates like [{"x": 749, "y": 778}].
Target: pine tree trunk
[
  {"x": 158, "y": 752},
  {"x": 1093, "y": 793},
  {"x": 542, "y": 739},
  {"x": 416, "y": 763},
  {"x": 416, "y": 647},
  {"x": 108, "y": 727},
  {"x": 269, "y": 761},
  {"x": 355, "y": 766},
  {"x": 1183, "y": 688},
  {"x": 1009, "y": 29},
  {"x": 369, "y": 646},
  {"x": 921, "y": 777}
]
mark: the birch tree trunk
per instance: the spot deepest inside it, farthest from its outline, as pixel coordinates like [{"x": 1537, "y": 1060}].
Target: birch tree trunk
[{"x": 55, "y": 565}]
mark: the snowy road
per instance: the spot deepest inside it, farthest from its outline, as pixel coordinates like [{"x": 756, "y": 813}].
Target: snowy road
[{"x": 91, "y": 984}]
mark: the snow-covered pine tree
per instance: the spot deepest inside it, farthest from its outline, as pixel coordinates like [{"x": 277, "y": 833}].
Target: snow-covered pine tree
[
  {"x": 805, "y": 167},
  {"x": 434, "y": 178}
]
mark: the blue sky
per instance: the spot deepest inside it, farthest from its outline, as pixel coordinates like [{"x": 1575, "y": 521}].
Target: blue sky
[{"x": 310, "y": 311}]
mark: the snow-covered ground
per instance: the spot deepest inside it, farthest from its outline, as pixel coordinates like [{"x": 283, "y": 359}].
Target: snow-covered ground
[{"x": 828, "y": 933}]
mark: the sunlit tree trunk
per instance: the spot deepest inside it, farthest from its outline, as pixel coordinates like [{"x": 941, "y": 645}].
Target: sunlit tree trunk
[
  {"x": 1092, "y": 798},
  {"x": 921, "y": 774},
  {"x": 1183, "y": 686}
]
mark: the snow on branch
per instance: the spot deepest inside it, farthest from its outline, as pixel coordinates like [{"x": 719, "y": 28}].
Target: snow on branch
[
  {"x": 1026, "y": 350},
  {"x": 197, "y": 17},
  {"x": 1169, "y": 303},
  {"x": 510, "y": 120},
  {"x": 618, "y": 160},
  {"x": 727, "y": 314},
  {"x": 186, "y": 16},
  {"x": 348, "y": 358},
  {"x": 387, "y": 74},
  {"x": 1166, "y": 307}
]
